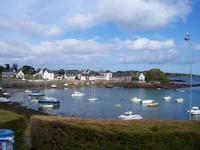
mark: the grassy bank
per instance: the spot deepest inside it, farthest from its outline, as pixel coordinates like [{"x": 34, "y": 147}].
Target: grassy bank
[
  {"x": 58, "y": 133},
  {"x": 15, "y": 122}
]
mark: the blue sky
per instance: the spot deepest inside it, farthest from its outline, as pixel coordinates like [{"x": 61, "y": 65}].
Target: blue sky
[{"x": 100, "y": 35}]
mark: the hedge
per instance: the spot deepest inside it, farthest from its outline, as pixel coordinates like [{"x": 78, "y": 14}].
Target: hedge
[{"x": 59, "y": 133}]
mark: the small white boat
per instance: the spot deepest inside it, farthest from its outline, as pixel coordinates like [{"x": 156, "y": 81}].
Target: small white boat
[
  {"x": 66, "y": 84},
  {"x": 47, "y": 105},
  {"x": 136, "y": 99},
  {"x": 77, "y": 94},
  {"x": 158, "y": 89},
  {"x": 1, "y": 88},
  {"x": 6, "y": 94},
  {"x": 194, "y": 110},
  {"x": 147, "y": 101},
  {"x": 179, "y": 100},
  {"x": 27, "y": 91},
  {"x": 167, "y": 98},
  {"x": 181, "y": 91},
  {"x": 34, "y": 100},
  {"x": 93, "y": 99},
  {"x": 3, "y": 99},
  {"x": 130, "y": 116},
  {"x": 53, "y": 86}
]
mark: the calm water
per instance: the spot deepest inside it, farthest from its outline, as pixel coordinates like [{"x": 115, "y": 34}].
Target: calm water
[{"x": 104, "y": 107}]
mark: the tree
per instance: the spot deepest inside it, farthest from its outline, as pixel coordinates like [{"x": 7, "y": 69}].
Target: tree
[
  {"x": 61, "y": 72},
  {"x": 7, "y": 66},
  {"x": 1, "y": 69},
  {"x": 28, "y": 70},
  {"x": 15, "y": 67},
  {"x": 156, "y": 75}
]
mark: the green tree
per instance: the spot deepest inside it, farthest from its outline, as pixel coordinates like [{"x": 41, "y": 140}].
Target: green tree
[{"x": 156, "y": 75}]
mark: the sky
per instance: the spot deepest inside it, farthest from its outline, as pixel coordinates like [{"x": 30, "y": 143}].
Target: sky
[{"x": 101, "y": 34}]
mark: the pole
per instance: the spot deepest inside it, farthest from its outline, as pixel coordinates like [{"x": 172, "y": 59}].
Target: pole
[{"x": 187, "y": 39}]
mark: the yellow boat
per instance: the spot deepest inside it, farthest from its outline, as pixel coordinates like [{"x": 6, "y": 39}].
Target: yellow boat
[{"x": 153, "y": 105}]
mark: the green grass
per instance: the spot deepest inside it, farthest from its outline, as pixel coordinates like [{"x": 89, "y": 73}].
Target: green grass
[
  {"x": 58, "y": 133},
  {"x": 15, "y": 122}
]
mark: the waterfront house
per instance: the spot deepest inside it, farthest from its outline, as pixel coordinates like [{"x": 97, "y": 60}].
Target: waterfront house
[
  {"x": 20, "y": 75},
  {"x": 83, "y": 78},
  {"x": 48, "y": 75},
  {"x": 104, "y": 76},
  {"x": 8, "y": 74},
  {"x": 92, "y": 78},
  {"x": 69, "y": 77},
  {"x": 141, "y": 78}
]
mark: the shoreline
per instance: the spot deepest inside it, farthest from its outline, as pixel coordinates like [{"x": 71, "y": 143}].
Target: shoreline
[{"x": 25, "y": 84}]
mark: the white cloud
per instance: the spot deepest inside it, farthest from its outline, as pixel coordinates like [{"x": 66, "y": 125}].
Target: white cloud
[
  {"x": 28, "y": 25},
  {"x": 67, "y": 51},
  {"x": 148, "y": 44},
  {"x": 133, "y": 14},
  {"x": 160, "y": 57}
]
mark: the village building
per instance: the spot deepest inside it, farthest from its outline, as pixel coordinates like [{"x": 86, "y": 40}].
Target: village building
[
  {"x": 20, "y": 75},
  {"x": 141, "y": 78},
  {"x": 48, "y": 75},
  {"x": 8, "y": 74}
]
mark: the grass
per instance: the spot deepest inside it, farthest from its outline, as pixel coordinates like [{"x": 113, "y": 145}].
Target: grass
[
  {"x": 58, "y": 133},
  {"x": 15, "y": 122}
]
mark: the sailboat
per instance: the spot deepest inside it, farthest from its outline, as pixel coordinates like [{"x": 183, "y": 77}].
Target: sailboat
[
  {"x": 77, "y": 93},
  {"x": 93, "y": 99}
]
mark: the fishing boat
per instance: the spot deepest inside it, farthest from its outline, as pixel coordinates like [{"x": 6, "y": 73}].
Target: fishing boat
[
  {"x": 136, "y": 99},
  {"x": 49, "y": 100},
  {"x": 179, "y": 100},
  {"x": 6, "y": 94},
  {"x": 27, "y": 91},
  {"x": 194, "y": 111},
  {"x": 153, "y": 105},
  {"x": 167, "y": 98},
  {"x": 3, "y": 99},
  {"x": 147, "y": 101},
  {"x": 53, "y": 86},
  {"x": 36, "y": 94},
  {"x": 77, "y": 94},
  {"x": 130, "y": 116}
]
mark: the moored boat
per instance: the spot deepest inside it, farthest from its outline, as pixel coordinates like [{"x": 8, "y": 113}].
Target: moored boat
[
  {"x": 130, "y": 116},
  {"x": 153, "y": 105},
  {"x": 136, "y": 99},
  {"x": 179, "y": 100},
  {"x": 36, "y": 94},
  {"x": 93, "y": 99},
  {"x": 3, "y": 99},
  {"x": 147, "y": 101},
  {"x": 27, "y": 91},
  {"x": 77, "y": 94},
  {"x": 49, "y": 100},
  {"x": 53, "y": 86},
  {"x": 167, "y": 98},
  {"x": 194, "y": 110}
]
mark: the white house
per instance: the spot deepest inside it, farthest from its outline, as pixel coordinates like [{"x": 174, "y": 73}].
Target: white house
[
  {"x": 48, "y": 75},
  {"x": 71, "y": 77},
  {"x": 20, "y": 75},
  {"x": 40, "y": 72},
  {"x": 83, "y": 78},
  {"x": 92, "y": 78},
  {"x": 104, "y": 76},
  {"x": 142, "y": 78}
]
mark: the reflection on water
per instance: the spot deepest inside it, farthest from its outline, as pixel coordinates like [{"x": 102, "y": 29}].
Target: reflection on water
[{"x": 106, "y": 108}]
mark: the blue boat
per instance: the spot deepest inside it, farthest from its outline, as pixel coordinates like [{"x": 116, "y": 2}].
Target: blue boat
[
  {"x": 36, "y": 94},
  {"x": 49, "y": 100}
]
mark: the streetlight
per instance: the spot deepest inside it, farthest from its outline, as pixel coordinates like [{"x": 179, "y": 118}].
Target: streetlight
[{"x": 187, "y": 39}]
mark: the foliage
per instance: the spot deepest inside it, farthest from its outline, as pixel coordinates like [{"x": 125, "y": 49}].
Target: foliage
[
  {"x": 61, "y": 72},
  {"x": 7, "y": 66},
  {"x": 75, "y": 134},
  {"x": 28, "y": 70},
  {"x": 156, "y": 75},
  {"x": 15, "y": 122},
  {"x": 1, "y": 69},
  {"x": 15, "y": 67}
]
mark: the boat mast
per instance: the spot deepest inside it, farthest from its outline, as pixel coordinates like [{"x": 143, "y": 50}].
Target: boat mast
[{"x": 187, "y": 39}]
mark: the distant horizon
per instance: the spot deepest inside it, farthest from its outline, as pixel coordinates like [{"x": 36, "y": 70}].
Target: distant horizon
[{"x": 75, "y": 34}]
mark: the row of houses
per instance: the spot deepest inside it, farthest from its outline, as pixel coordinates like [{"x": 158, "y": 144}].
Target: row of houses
[{"x": 51, "y": 75}]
